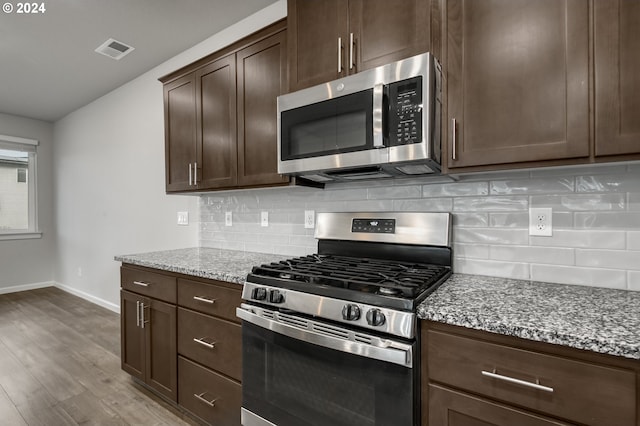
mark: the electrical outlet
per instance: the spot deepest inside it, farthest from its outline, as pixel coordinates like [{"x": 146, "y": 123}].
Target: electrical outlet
[
  {"x": 264, "y": 219},
  {"x": 183, "y": 218},
  {"x": 228, "y": 219},
  {"x": 540, "y": 222},
  {"x": 309, "y": 219}
]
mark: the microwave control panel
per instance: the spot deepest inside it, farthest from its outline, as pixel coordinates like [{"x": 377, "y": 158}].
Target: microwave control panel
[{"x": 405, "y": 112}]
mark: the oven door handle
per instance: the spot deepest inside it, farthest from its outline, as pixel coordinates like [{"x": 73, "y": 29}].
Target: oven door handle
[{"x": 388, "y": 351}]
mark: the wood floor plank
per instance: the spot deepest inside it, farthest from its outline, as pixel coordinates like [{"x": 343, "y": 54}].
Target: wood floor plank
[
  {"x": 9, "y": 414},
  {"x": 60, "y": 366}
]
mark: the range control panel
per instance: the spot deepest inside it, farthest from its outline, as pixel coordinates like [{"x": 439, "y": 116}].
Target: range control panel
[
  {"x": 374, "y": 226},
  {"x": 405, "y": 111}
]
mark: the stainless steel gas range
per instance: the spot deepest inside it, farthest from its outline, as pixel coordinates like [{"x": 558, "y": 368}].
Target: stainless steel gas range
[{"x": 332, "y": 338}]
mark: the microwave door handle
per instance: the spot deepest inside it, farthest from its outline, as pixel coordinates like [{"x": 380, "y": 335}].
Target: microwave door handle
[{"x": 378, "y": 98}]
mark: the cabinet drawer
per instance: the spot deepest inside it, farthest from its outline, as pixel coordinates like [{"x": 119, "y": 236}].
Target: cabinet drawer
[
  {"x": 574, "y": 390},
  {"x": 210, "y": 396},
  {"x": 209, "y": 298},
  {"x": 213, "y": 342},
  {"x": 158, "y": 286}
]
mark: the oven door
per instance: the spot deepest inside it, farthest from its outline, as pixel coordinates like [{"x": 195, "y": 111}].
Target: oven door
[{"x": 297, "y": 372}]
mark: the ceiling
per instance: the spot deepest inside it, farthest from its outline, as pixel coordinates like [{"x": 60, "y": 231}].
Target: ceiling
[{"x": 48, "y": 67}]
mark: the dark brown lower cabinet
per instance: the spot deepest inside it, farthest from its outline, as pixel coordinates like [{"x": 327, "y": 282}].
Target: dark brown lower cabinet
[
  {"x": 474, "y": 378},
  {"x": 149, "y": 342},
  {"x": 209, "y": 395},
  {"x": 451, "y": 408}
]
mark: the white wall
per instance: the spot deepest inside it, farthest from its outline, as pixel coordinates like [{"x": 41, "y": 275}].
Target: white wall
[
  {"x": 109, "y": 176},
  {"x": 29, "y": 263}
]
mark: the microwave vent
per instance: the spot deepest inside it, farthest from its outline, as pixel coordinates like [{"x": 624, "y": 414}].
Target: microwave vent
[
  {"x": 415, "y": 169},
  {"x": 114, "y": 49}
]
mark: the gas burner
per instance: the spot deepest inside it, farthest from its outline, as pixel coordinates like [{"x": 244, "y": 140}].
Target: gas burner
[{"x": 285, "y": 275}]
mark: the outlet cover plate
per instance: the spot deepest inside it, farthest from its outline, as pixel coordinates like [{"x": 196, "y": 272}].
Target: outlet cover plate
[
  {"x": 309, "y": 219},
  {"x": 183, "y": 218},
  {"x": 540, "y": 221},
  {"x": 264, "y": 219},
  {"x": 228, "y": 219}
]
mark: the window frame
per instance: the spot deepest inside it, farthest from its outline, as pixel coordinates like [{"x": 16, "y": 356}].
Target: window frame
[{"x": 27, "y": 145}]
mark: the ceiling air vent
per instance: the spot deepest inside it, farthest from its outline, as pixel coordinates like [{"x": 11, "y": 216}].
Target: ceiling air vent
[{"x": 114, "y": 49}]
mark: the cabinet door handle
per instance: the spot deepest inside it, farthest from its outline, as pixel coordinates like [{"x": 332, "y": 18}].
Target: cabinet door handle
[
  {"x": 339, "y": 55},
  {"x": 204, "y": 299},
  {"x": 200, "y": 396},
  {"x": 137, "y": 313},
  {"x": 536, "y": 385},
  {"x": 190, "y": 175},
  {"x": 203, "y": 343},
  {"x": 351, "y": 51},
  {"x": 141, "y": 283},
  {"x": 142, "y": 320},
  {"x": 454, "y": 139},
  {"x": 195, "y": 173}
]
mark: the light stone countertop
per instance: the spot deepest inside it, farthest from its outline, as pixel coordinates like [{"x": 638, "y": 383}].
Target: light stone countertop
[
  {"x": 224, "y": 265},
  {"x": 596, "y": 319}
]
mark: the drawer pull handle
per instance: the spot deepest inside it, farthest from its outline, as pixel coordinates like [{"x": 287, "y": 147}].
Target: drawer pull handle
[
  {"x": 200, "y": 396},
  {"x": 536, "y": 385},
  {"x": 203, "y": 343},
  {"x": 204, "y": 299},
  {"x": 142, "y": 284}
]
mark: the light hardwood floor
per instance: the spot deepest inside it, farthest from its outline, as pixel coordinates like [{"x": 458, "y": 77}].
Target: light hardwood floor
[{"x": 60, "y": 365}]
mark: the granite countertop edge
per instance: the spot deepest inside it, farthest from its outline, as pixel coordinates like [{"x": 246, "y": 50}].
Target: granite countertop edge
[{"x": 596, "y": 319}]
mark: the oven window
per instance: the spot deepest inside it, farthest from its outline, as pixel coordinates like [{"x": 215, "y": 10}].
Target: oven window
[
  {"x": 290, "y": 382},
  {"x": 333, "y": 126}
]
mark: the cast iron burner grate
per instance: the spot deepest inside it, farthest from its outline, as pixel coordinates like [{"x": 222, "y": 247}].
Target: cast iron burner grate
[{"x": 387, "y": 278}]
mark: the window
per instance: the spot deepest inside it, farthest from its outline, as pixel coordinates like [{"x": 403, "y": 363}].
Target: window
[{"x": 18, "y": 210}]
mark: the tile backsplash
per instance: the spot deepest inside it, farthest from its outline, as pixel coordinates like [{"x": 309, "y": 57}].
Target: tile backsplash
[{"x": 596, "y": 220}]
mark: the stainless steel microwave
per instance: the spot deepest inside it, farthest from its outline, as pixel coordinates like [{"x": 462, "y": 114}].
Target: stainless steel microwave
[{"x": 379, "y": 123}]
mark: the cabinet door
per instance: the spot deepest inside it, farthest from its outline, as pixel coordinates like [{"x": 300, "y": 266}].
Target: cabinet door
[
  {"x": 180, "y": 132},
  {"x": 451, "y": 408},
  {"x": 518, "y": 81},
  {"x": 161, "y": 347},
  {"x": 313, "y": 29},
  {"x": 216, "y": 124},
  {"x": 132, "y": 335},
  {"x": 617, "y": 76},
  {"x": 262, "y": 72},
  {"x": 386, "y": 31}
]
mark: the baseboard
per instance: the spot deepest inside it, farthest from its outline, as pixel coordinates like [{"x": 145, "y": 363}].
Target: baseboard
[
  {"x": 86, "y": 296},
  {"x": 25, "y": 287}
]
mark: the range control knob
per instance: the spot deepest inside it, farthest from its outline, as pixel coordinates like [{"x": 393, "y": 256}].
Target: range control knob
[
  {"x": 275, "y": 296},
  {"x": 350, "y": 312},
  {"x": 259, "y": 293},
  {"x": 375, "y": 317}
]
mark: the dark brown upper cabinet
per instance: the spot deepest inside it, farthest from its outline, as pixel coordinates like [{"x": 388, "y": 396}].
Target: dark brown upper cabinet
[
  {"x": 517, "y": 76},
  {"x": 617, "y": 77},
  {"x": 220, "y": 116},
  {"x": 329, "y": 39}
]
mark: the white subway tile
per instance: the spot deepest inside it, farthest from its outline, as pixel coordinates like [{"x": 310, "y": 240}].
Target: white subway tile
[
  {"x": 633, "y": 241},
  {"x": 475, "y": 204},
  {"x": 617, "y": 220},
  {"x": 471, "y": 251},
  {"x": 608, "y": 259},
  {"x": 509, "y": 220},
  {"x": 593, "y": 277},
  {"x": 369, "y": 206},
  {"x": 581, "y": 202},
  {"x": 626, "y": 182},
  {"x": 395, "y": 192},
  {"x": 491, "y": 268},
  {"x": 471, "y": 220},
  {"x": 424, "y": 205},
  {"x": 578, "y": 170},
  {"x": 634, "y": 201},
  {"x": 456, "y": 189},
  {"x": 531, "y": 186},
  {"x": 633, "y": 280},
  {"x": 582, "y": 238},
  {"x": 491, "y": 236},
  {"x": 545, "y": 255}
]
